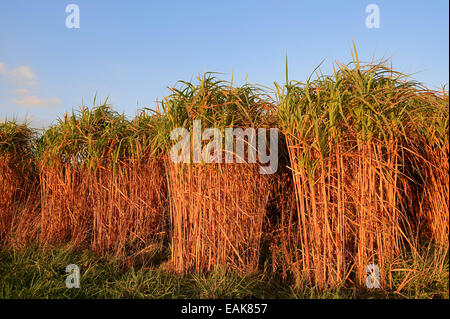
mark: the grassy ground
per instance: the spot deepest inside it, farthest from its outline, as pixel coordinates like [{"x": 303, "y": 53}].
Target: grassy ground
[{"x": 41, "y": 274}]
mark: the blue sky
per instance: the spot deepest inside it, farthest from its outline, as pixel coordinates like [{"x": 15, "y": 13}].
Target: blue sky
[{"x": 132, "y": 50}]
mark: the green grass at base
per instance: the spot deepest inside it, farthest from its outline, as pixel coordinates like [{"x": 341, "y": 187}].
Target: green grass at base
[{"x": 34, "y": 273}]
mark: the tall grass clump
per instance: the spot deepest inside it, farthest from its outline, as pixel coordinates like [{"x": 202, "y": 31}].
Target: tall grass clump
[
  {"x": 18, "y": 183},
  {"x": 217, "y": 209},
  {"x": 132, "y": 187},
  {"x": 348, "y": 135},
  {"x": 102, "y": 184},
  {"x": 429, "y": 158}
]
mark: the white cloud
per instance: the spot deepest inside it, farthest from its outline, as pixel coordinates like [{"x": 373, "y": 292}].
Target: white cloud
[
  {"x": 2, "y": 68},
  {"x": 20, "y": 91},
  {"x": 31, "y": 101},
  {"x": 22, "y": 81},
  {"x": 22, "y": 75}
]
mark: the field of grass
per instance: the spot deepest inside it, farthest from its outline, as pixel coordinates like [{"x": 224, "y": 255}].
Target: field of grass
[
  {"x": 362, "y": 181},
  {"x": 41, "y": 274}
]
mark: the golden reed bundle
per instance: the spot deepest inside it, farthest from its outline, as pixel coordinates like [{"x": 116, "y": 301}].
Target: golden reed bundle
[
  {"x": 348, "y": 136},
  {"x": 434, "y": 206},
  {"x": 114, "y": 211},
  {"x": 65, "y": 204},
  {"x": 346, "y": 213},
  {"x": 9, "y": 184},
  {"x": 217, "y": 208},
  {"x": 19, "y": 204},
  {"x": 101, "y": 185},
  {"x": 429, "y": 156},
  {"x": 217, "y": 213},
  {"x": 128, "y": 206},
  {"x": 19, "y": 192}
]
